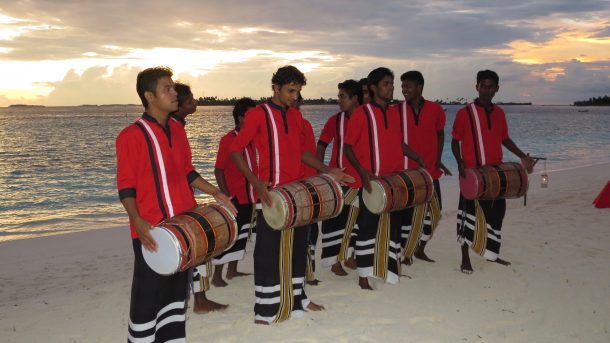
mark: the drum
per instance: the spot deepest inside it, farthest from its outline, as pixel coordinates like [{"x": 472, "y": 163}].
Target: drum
[
  {"x": 304, "y": 202},
  {"x": 502, "y": 181},
  {"x": 398, "y": 191},
  {"x": 191, "y": 238}
]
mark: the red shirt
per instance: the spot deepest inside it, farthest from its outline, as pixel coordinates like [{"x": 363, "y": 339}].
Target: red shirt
[
  {"x": 237, "y": 184},
  {"x": 379, "y": 152},
  {"x": 309, "y": 140},
  {"x": 420, "y": 133},
  {"x": 154, "y": 166},
  {"x": 334, "y": 130},
  {"x": 277, "y": 136},
  {"x": 490, "y": 130}
]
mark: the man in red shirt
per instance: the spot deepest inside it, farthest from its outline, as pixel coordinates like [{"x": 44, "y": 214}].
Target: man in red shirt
[
  {"x": 276, "y": 130},
  {"x": 337, "y": 232},
  {"x": 422, "y": 125},
  {"x": 187, "y": 105},
  {"x": 234, "y": 184},
  {"x": 479, "y": 132},
  {"x": 154, "y": 179},
  {"x": 374, "y": 148}
]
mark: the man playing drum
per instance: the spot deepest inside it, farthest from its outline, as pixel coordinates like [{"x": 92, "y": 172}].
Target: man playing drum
[
  {"x": 154, "y": 179},
  {"x": 373, "y": 148},
  {"x": 337, "y": 232},
  {"x": 276, "y": 130},
  {"x": 479, "y": 132},
  {"x": 422, "y": 127}
]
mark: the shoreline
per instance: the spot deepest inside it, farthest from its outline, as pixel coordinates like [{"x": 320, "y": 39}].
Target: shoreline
[{"x": 75, "y": 287}]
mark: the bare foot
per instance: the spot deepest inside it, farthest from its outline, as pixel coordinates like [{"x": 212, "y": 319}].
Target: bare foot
[
  {"x": 232, "y": 271},
  {"x": 236, "y": 274},
  {"x": 204, "y": 305},
  {"x": 364, "y": 283},
  {"x": 420, "y": 254},
  {"x": 219, "y": 282},
  {"x": 465, "y": 267},
  {"x": 351, "y": 263},
  {"x": 261, "y": 322},
  {"x": 315, "y": 307},
  {"x": 501, "y": 261},
  {"x": 217, "y": 277},
  {"x": 313, "y": 282},
  {"x": 337, "y": 269}
]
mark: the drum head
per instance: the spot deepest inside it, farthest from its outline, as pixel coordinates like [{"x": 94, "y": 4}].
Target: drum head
[
  {"x": 166, "y": 260},
  {"x": 276, "y": 215},
  {"x": 469, "y": 184},
  {"x": 376, "y": 200}
]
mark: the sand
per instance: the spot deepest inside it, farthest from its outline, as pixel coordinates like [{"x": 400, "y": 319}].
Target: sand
[{"x": 75, "y": 287}]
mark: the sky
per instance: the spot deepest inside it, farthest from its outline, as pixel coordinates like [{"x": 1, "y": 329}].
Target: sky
[{"x": 59, "y": 52}]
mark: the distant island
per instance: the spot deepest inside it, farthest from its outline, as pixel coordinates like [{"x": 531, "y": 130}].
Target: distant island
[
  {"x": 599, "y": 101},
  {"x": 215, "y": 101},
  {"x": 24, "y": 105}
]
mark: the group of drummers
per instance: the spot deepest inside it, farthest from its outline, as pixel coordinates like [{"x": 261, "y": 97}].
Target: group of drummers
[{"x": 376, "y": 203}]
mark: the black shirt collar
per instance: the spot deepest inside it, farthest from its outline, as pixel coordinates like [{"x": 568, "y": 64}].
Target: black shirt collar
[
  {"x": 178, "y": 118},
  {"x": 478, "y": 103},
  {"x": 277, "y": 107},
  {"x": 379, "y": 106}
]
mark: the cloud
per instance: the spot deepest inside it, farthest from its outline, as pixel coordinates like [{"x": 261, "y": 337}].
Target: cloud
[
  {"x": 231, "y": 48},
  {"x": 96, "y": 86}
]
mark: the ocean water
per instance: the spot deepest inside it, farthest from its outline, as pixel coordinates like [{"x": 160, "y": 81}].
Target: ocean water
[{"x": 57, "y": 164}]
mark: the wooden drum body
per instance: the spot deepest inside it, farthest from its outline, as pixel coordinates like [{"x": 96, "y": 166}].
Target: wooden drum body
[
  {"x": 398, "y": 191},
  {"x": 304, "y": 202},
  {"x": 191, "y": 238},
  {"x": 502, "y": 181}
]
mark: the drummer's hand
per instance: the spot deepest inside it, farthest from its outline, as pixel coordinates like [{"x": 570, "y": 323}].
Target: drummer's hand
[
  {"x": 528, "y": 163},
  {"x": 260, "y": 187},
  {"x": 445, "y": 170},
  {"x": 143, "y": 229},
  {"x": 225, "y": 200},
  {"x": 461, "y": 168},
  {"x": 366, "y": 181},
  {"x": 341, "y": 176}
]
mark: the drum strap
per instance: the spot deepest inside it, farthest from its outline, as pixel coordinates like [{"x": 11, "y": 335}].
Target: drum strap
[
  {"x": 373, "y": 139},
  {"x": 274, "y": 148},
  {"x": 159, "y": 176},
  {"x": 404, "y": 128},
  {"x": 340, "y": 123},
  {"x": 476, "y": 137}
]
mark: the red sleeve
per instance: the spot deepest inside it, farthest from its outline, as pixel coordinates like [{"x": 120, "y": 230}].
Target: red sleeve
[
  {"x": 222, "y": 156},
  {"x": 459, "y": 125},
  {"x": 328, "y": 132},
  {"x": 127, "y": 154},
  {"x": 504, "y": 127},
  {"x": 249, "y": 128},
  {"x": 356, "y": 127},
  {"x": 188, "y": 161},
  {"x": 309, "y": 137}
]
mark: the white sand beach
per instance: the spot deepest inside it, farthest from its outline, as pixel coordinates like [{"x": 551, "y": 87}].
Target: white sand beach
[{"x": 75, "y": 287}]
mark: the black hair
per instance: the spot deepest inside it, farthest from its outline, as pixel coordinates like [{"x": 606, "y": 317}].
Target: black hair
[
  {"x": 413, "y": 75},
  {"x": 147, "y": 81},
  {"x": 363, "y": 81},
  {"x": 488, "y": 75},
  {"x": 375, "y": 76},
  {"x": 184, "y": 91},
  {"x": 288, "y": 74},
  {"x": 352, "y": 87},
  {"x": 241, "y": 107}
]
